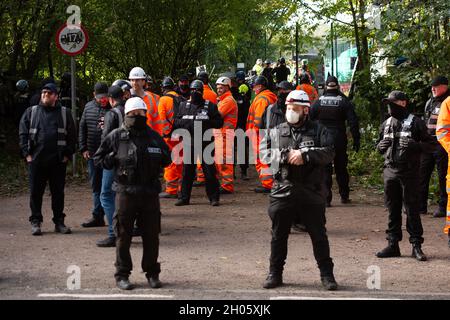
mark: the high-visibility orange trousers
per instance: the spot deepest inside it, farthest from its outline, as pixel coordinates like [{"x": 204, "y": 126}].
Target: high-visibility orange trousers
[
  {"x": 447, "y": 219},
  {"x": 264, "y": 172},
  {"x": 224, "y": 151},
  {"x": 173, "y": 173}
]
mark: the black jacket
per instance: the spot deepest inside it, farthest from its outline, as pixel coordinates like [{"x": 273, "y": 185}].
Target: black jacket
[
  {"x": 45, "y": 145},
  {"x": 405, "y": 160},
  {"x": 281, "y": 73},
  {"x": 243, "y": 102},
  {"x": 307, "y": 180},
  {"x": 112, "y": 119},
  {"x": 333, "y": 110},
  {"x": 91, "y": 127},
  {"x": 431, "y": 112},
  {"x": 137, "y": 158},
  {"x": 276, "y": 115},
  {"x": 189, "y": 114}
]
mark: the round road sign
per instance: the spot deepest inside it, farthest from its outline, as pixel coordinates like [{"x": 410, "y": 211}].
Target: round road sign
[{"x": 72, "y": 40}]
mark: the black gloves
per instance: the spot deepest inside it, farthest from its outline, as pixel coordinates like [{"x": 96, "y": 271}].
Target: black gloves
[{"x": 407, "y": 143}]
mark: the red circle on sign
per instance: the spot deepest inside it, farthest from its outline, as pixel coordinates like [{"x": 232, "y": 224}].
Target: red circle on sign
[{"x": 60, "y": 48}]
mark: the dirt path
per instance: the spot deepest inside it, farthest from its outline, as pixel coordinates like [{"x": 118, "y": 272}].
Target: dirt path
[{"x": 218, "y": 253}]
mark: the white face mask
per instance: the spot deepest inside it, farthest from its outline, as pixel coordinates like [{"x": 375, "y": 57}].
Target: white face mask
[{"x": 292, "y": 117}]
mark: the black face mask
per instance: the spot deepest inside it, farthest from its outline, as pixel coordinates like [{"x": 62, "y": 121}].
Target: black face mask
[
  {"x": 184, "y": 87},
  {"x": 136, "y": 122},
  {"x": 396, "y": 111},
  {"x": 282, "y": 99},
  {"x": 196, "y": 97}
]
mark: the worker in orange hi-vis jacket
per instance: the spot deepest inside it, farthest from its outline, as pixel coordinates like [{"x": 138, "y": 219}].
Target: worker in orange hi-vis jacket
[
  {"x": 148, "y": 89},
  {"x": 443, "y": 136},
  {"x": 167, "y": 108},
  {"x": 305, "y": 85},
  {"x": 208, "y": 95},
  {"x": 138, "y": 80},
  {"x": 263, "y": 99},
  {"x": 224, "y": 138}
]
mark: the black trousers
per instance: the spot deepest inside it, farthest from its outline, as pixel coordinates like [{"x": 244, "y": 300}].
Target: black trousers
[
  {"x": 428, "y": 162},
  {"x": 145, "y": 209},
  {"x": 212, "y": 183},
  {"x": 340, "y": 163},
  {"x": 402, "y": 191},
  {"x": 39, "y": 173},
  {"x": 282, "y": 213},
  {"x": 244, "y": 166}
]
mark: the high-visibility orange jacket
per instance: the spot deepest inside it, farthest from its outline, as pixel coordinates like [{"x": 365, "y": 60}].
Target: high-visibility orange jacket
[
  {"x": 166, "y": 113},
  {"x": 228, "y": 109},
  {"x": 209, "y": 95},
  {"x": 153, "y": 120},
  {"x": 310, "y": 90},
  {"x": 443, "y": 136},
  {"x": 259, "y": 105}
]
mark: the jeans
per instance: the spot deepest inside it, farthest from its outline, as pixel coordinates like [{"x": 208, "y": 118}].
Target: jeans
[
  {"x": 95, "y": 177},
  {"x": 108, "y": 199}
]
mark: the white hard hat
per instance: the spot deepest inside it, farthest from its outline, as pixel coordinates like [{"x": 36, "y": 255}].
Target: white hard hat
[
  {"x": 298, "y": 97},
  {"x": 137, "y": 73},
  {"x": 135, "y": 103},
  {"x": 225, "y": 81}
]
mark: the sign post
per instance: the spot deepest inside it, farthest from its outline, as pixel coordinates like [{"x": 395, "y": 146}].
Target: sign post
[{"x": 71, "y": 40}]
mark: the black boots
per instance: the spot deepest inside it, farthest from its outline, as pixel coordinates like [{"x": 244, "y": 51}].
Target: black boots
[
  {"x": 261, "y": 189},
  {"x": 273, "y": 280},
  {"x": 94, "y": 222},
  {"x": 154, "y": 281},
  {"x": 392, "y": 250},
  {"x": 36, "y": 229},
  {"x": 109, "y": 242},
  {"x": 60, "y": 227},
  {"x": 124, "y": 284},
  {"x": 181, "y": 203},
  {"x": 329, "y": 283},
  {"x": 418, "y": 253}
]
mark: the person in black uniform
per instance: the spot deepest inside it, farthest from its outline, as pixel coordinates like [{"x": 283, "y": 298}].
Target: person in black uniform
[
  {"x": 136, "y": 153},
  {"x": 196, "y": 112},
  {"x": 298, "y": 151},
  {"x": 281, "y": 72},
  {"x": 439, "y": 158},
  {"x": 242, "y": 93},
  {"x": 268, "y": 73},
  {"x": 183, "y": 87},
  {"x": 332, "y": 110},
  {"x": 403, "y": 137},
  {"x": 47, "y": 138}
]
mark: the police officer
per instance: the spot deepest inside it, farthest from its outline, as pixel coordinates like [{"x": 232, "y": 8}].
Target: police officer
[
  {"x": 47, "y": 137},
  {"x": 439, "y": 158},
  {"x": 136, "y": 153},
  {"x": 268, "y": 73},
  {"x": 298, "y": 151},
  {"x": 403, "y": 137},
  {"x": 204, "y": 115},
  {"x": 281, "y": 72},
  {"x": 332, "y": 110}
]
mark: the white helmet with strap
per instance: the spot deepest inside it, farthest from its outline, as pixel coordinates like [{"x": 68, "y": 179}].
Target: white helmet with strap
[
  {"x": 224, "y": 81},
  {"x": 298, "y": 97},
  {"x": 137, "y": 73}
]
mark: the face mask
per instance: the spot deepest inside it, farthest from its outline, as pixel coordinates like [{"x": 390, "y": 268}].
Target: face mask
[
  {"x": 196, "y": 97},
  {"x": 396, "y": 111},
  {"x": 103, "y": 102},
  {"x": 136, "y": 122},
  {"x": 292, "y": 117},
  {"x": 184, "y": 87}
]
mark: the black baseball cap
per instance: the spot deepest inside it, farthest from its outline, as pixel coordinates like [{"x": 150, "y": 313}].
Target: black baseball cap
[
  {"x": 115, "y": 92},
  {"x": 285, "y": 85},
  {"x": 50, "y": 87},
  {"x": 396, "y": 95},
  {"x": 101, "y": 90},
  {"x": 439, "y": 80}
]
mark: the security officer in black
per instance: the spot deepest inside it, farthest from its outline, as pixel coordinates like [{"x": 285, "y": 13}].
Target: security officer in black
[
  {"x": 136, "y": 153},
  {"x": 403, "y": 137},
  {"x": 439, "y": 158},
  {"x": 242, "y": 93},
  {"x": 298, "y": 151},
  {"x": 47, "y": 138},
  {"x": 202, "y": 115},
  {"x": 332, "y": 110}
]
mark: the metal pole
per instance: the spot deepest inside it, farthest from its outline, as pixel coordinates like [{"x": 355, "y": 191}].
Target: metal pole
[
  {"x": 74, "y": 105},
  {"x": 296, "y": 54},
  {"x": 337, "y": 54},
  {"x": 332, "y": 50}
]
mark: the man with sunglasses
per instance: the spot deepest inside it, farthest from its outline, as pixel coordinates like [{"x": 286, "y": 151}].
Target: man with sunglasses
[{"x": 47, "y": 138}]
